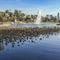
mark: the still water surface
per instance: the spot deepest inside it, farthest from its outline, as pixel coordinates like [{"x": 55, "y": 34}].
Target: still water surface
[
  {"x": 33, "y": 25},
  {"x": 40, "y": 47}
]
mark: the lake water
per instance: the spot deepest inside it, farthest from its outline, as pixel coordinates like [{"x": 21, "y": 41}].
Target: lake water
[
  {"x": 41, "y": 47},
  {"x": 33, "y": 25}
]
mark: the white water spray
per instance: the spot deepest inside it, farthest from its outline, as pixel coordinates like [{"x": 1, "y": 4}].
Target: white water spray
[{"x": 38, "y": 20}]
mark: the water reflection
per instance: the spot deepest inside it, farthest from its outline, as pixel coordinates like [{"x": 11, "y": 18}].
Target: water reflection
[
  {"x": 1, "y": 45},
  {"x": 23, "y": 37}
]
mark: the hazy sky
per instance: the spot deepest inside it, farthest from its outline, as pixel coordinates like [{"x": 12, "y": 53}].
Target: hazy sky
[{"x": 32, "y": 6}]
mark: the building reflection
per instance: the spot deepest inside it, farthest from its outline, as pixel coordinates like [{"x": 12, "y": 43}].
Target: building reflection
[{"x": 1, "y": 45}]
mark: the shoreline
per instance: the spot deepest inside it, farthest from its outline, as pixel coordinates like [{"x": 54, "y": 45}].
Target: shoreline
[
  {"x": 27, "y": 28},
  {"x": 10, "y": 32},
  {"x": 7, "y": 25}
]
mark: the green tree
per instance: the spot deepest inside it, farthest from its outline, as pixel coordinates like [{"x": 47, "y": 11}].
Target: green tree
[{"x": 1, "y": 19}]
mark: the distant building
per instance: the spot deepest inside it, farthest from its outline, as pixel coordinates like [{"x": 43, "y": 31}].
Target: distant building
[
  {"x": 7, "y": 14},
  {"x": 58, "y": 17},
  {"x": 49, "y": 16}
]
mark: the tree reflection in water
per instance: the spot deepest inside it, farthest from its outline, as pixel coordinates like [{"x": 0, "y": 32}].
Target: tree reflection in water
[
  {"x": 1, "y": 45},
  {"x": 23, "y": 37}
]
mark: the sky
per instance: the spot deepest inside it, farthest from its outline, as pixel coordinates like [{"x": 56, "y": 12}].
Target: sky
[{"x": 32, "y": 6}]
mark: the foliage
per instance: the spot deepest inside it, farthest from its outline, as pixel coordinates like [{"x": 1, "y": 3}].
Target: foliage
[{"x": 8, "y": 16}]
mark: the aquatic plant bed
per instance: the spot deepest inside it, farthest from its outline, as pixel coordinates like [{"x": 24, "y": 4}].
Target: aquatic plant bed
[{"x": 23, "y": 31}]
